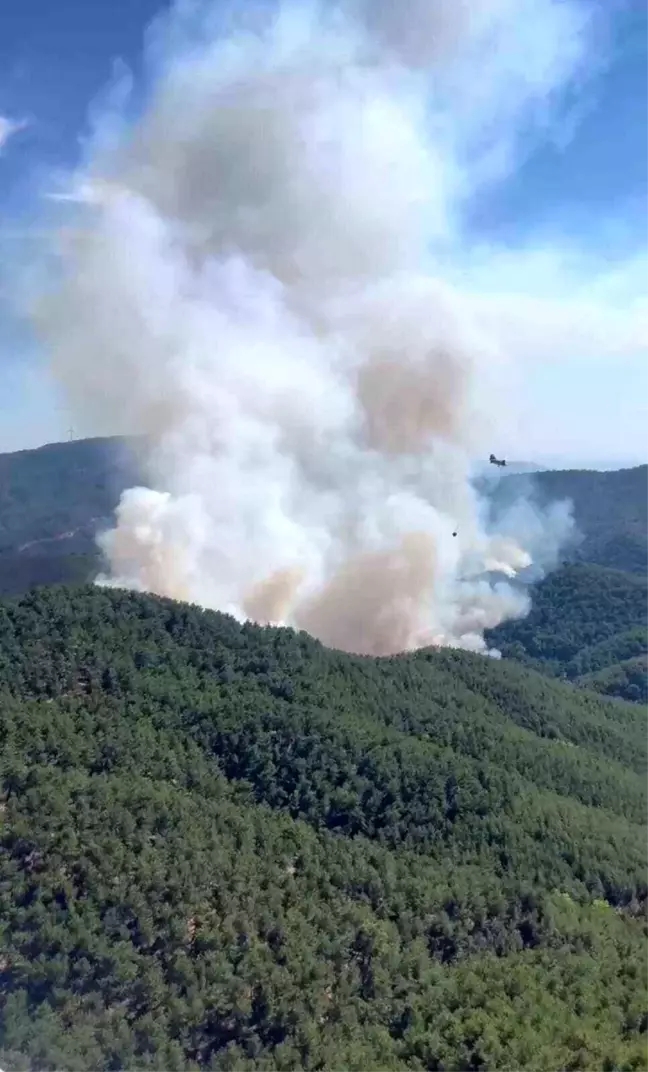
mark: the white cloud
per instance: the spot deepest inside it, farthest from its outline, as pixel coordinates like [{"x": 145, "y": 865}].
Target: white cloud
[
  {"x": 572, "y": 332},
  {"x": 546, "y": 305},
  {"x": 9, "y": 127}
]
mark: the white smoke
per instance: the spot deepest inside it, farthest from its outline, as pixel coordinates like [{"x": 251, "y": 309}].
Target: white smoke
[{"x": 256, "y": 285}]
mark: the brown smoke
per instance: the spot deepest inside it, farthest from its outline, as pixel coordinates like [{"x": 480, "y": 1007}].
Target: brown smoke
[
  {"x": 373, "y": 603},
  {"x": 270, "y": 600},
  {"x": 405, "y": 412}
]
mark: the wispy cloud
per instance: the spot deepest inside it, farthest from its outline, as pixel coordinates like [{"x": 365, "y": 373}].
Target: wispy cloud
[{"x": 9, "y": 127}]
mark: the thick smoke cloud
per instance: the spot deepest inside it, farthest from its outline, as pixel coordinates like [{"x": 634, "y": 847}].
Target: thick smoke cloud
[{"x": 254, "y": 282}]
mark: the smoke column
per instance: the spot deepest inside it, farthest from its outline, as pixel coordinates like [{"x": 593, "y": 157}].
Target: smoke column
[{"x": 254, "y": 281}]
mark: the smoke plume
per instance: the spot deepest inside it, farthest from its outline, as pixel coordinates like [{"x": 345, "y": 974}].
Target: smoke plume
[{"x": 254, "y": 281}]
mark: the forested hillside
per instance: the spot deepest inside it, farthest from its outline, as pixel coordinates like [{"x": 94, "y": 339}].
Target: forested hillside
[
  {"x": 53, "y": 501},
  {"x": 589, "y": 619},
  {"x": 610, "y": 509},
  {"x": 228, "y": 847},
  {"x": 587, "y": 624}
]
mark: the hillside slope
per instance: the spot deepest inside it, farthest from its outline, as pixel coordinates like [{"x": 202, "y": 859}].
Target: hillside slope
[
  {"x": 227, "y": 847},
  {"x": 627, "y": 678},
  {"x": 596, "y": 608},
  {"x": 583, "y": 619},
  {"x": 610, "y": 509},
  {"x": 53, "y": 501}
]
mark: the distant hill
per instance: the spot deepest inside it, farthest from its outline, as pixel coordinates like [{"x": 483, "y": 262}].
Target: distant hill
[
  {"x": 59, "y": 493},
  {"x": 54, "y": 500},
  {"x": 627, "y": 678},
  {"x": 597, "y": 607},
  {"x": 227, "y": 847},
  {"x": 610, "y": 508},
  {"x": 485, "y": 469},
  {"x": 584, "y": 620}
]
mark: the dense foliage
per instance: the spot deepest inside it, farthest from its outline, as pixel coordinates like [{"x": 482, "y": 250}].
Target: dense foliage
[
  {"x": 585, "y": 619},
  {"x": 227, "y": 847}
]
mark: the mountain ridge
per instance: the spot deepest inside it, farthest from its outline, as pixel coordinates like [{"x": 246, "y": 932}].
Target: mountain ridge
[
  {"x": 81, "y": 481},
  {"x": 54, "y": 500}
]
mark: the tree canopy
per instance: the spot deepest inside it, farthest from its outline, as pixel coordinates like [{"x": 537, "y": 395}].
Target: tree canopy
[{"x": 225, "y": 846}]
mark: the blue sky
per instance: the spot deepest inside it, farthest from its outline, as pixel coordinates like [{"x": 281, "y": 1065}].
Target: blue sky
[
  {"x": 55, "y": 60},
  {"x": 572, "y": 210}
]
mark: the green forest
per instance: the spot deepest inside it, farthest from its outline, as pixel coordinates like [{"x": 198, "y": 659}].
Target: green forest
[
  {"x": 227, "y": 847},
  {"x": 589, "y": 618},
  {"x": 587, "y": 624}
]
